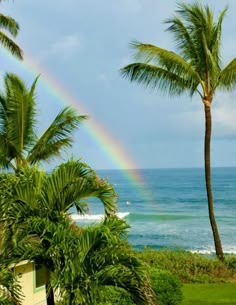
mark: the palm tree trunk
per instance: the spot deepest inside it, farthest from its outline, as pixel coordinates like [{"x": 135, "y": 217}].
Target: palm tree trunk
[
  {"x": 49, "y": 295},
  {"x": 216, "y": 236},
  {"x": 49, "y": 289}
]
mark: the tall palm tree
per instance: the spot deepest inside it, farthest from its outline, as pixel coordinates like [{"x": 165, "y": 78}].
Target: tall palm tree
[
  {"x": 10, "y": 25},
  {"x": 19, "y": 144},
  {"x": 196, "y": 68}
]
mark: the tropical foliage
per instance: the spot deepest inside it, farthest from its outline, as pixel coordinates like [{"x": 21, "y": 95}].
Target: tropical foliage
[
  {"x": 79, "y": 261},
  {"x": 103, "y": 260},
  {"x": 10, "y": 290},
  {"x": 19, "y": 144},
  {"x": 191, "y": 267},
  {"x": 167, "y": 287},
  {"x": 196, "y": 68},
  {"x": 34, "y": 193},
  {"x": 34, "y": 207}
]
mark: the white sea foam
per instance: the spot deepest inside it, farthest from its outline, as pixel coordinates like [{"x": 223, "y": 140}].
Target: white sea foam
[
  {"x": 95, "y": 216},
  {"x": 227, "y": 250}
]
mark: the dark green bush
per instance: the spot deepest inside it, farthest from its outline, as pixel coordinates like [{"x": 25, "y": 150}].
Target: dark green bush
[
  {"x": 167, "y": 287},
  {"x": 115, "y": 296}
]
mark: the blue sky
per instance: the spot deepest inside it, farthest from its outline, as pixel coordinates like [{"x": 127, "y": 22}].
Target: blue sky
[{"x": 84, "y": 43}]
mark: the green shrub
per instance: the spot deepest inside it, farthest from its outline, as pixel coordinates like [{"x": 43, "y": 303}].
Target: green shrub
[
  {"x": 115, "y": 296},
  {"x": 167, "y": 287},
  {"x": 188, "y": 267},
  {"x": 230, "y": 262}
]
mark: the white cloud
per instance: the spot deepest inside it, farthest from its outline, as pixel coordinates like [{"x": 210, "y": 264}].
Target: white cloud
[
  {"x": 64, "y": 48},
  {"x": 224, "y": 116},
  {"x": 192, "y": 123}
]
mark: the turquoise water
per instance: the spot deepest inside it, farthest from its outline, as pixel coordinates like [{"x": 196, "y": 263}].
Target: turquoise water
[{"x": 169, "y": 209}]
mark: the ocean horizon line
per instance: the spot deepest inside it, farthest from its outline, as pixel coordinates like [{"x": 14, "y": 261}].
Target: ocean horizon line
[{"x": 162, "y": 168}]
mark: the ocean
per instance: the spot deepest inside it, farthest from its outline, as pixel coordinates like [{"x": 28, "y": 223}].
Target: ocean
[{"x": 168, "y": 209}]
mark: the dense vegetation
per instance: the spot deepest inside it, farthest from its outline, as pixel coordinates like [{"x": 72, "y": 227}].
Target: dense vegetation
[
  {"x": 79, "y": 261},
  {"x": 191, "y": 267},
  {"x": 175, "y": 274}
]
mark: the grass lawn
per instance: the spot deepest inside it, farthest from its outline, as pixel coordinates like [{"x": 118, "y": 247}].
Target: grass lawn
[{"x": 209, "y": 294}]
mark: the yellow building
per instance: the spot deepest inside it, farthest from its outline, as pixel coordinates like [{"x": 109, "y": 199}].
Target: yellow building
[{"x": 32, "y": 281}]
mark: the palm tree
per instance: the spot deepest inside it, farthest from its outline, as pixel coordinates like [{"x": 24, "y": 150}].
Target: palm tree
[
  {"x": 19, "y": 144},
  {"x": 82, "y": 262},
  {"x": 34, "y": 211},
  {"x": 10, "y": 25},
  {"x": 196, "y": 68},
  {"x": 99, "y": 258}
]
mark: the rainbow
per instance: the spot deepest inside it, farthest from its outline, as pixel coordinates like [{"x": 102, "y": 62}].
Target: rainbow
[{"x": 111, "y": 148}]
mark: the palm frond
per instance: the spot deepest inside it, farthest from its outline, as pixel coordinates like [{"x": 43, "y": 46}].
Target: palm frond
[
  {"x": 2, "y": 113},
  {"x": 56, "y": 137},
  {"x": 168, "y": 60},
  {"x": 10, "y": 45},
  {"x": 156, "y": 77},
  {"x": 117, "y": 227},
  {"x": 7, "y": 151},
  {"x": 10, "y": 290},
  {"x": 33, "y": 87},
  {"x": 20, "y": 111},
  {"x": 184, "y": 42},
  {"x": 9, "y": 24},
  {"x": 65, "y": 185},
  {"x": 4, "y": 147},
  {"x": 227, "y": 77},
  {"x": 73, "y": 181},
  {"x": 195, "y": 15},
  {"x": 216, "y": 37},
  {"x": 212, "y": 68}
]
